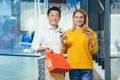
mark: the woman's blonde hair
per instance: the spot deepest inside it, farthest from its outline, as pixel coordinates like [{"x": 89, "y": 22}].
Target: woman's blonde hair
[{"x": 85, "y": 25}]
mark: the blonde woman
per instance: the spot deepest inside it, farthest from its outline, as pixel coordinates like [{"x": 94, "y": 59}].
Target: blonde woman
[{"x": 80, "y": 44}]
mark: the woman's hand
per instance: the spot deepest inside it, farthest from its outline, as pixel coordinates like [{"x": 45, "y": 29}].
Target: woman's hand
[
  {"x": 62, "y": 37},
  {"x": 89, "y": 35}
]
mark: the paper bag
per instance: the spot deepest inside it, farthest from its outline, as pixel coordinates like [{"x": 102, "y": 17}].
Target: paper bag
[{"x": 56, "y": 63}]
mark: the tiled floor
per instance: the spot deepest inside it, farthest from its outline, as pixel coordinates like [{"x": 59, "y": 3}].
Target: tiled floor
[
  {"x": 18, "y": 68},
  {"x": 21, "y": 68},
  {"x": 115, "y": 71}
]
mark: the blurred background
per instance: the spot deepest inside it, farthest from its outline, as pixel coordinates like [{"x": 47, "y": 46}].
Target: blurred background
[{"x": 19, "y": 19}]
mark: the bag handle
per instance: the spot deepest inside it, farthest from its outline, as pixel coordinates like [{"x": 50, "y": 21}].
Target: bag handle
[{"x": 48, "y": 50}]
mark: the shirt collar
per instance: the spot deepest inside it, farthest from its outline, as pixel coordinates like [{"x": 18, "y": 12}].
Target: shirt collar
[{"x": 57, "y": 30}]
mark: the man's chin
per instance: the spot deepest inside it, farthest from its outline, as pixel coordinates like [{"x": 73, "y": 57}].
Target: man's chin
[{"x": 54, "y": 24}]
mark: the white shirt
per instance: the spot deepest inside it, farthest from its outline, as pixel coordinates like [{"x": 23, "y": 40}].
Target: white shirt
[{"x": 47, "y": 38}]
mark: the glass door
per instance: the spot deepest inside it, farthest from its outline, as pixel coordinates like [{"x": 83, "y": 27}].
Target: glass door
[
  {"x": 20, "y": 18},
  {"x": 115, "y": 39}
]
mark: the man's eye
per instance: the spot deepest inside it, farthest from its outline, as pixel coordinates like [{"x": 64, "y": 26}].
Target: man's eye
[{"x": 51, "y": 16}]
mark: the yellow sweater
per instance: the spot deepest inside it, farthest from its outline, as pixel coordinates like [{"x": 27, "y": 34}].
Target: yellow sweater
[{"x": 77, "y": 49}]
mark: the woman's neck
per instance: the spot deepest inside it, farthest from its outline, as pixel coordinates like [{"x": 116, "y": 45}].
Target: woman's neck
[{"x": 79, "y": 27}]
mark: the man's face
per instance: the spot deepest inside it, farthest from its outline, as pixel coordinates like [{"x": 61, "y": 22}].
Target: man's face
[{"x": 53, "y": 18}]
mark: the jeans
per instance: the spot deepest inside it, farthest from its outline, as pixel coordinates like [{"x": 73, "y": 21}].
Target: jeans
[{"x": 81, "y": 74}]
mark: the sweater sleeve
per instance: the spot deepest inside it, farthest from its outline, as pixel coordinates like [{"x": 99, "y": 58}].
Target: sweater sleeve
[
  {"x": 94, "y": 41},
  {"x": 64, "y": 50}
]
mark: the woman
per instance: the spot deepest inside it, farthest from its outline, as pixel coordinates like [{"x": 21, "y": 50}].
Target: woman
[{"x": 80, "y": 44}]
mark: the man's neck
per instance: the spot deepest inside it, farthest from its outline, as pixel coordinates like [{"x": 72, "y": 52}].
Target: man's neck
[{"x": 54, "y": 27}]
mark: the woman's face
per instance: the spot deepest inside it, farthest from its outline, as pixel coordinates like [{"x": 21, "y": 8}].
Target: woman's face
[{"x": 78, "y": 19}]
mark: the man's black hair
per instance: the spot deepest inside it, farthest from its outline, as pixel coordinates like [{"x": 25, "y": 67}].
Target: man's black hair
[{"x": 54, "y": 8}]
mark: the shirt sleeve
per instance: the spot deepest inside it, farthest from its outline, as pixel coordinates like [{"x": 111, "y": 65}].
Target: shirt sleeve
[{"x": 37, "y": 40}]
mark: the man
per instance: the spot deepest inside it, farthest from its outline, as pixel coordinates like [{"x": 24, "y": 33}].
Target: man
[{"x": 48, "y": 39}]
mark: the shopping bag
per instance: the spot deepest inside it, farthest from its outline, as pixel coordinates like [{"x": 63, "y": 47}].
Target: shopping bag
[
  {"x": 41, "y": 68},
  {"x": 53, "y": 76},
  {"x": 56, "y": 63}
]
